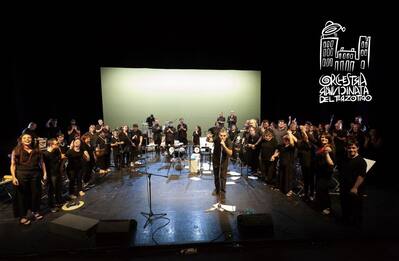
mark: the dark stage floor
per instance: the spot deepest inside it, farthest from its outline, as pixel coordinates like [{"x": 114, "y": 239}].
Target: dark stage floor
[{"x": 123, "y": 195}]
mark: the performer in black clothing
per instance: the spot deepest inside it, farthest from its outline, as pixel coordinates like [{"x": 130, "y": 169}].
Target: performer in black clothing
[
  {"x": 52, "y": 128},
  {"x": 137, "y": 138},
  {"x": 214, "y": 130},
  {"x": 63, "y": 148},
  {"x": 182, "y": 131},
  {"x": 88, "y": 166},
  {"x": 27, "y": 169},
  {"x": 116, "y": 147},
  {"x": 339, "y": 136},
  {"x": 52, "y": 159},
  {"x": 169, "y": 132},
  {"x": 76, "y": 156},
  {"x": 220, "y": 159},
  {"x": 101, "y": 153},
  {"x": 233, "y": 133},
  {"x": 351, "y": 181},
  {"x": 324, "y": 167},
  {"x": 157, "y": 136},
  {"x": 232, "y": 119},
  {"x": 252, "y": 148},
  {"x": 196, "y": 136},
  {"x": 269, "y": 154},
  {"x": 100, "y": 126},
  {"x": 127, "y": 145},
  {"x": 93, "y": 135},
  {"x": 150, "y": 121},
  {"x": 73, "y": 131},
  {"x": 221, "y": 120},
  {"x": 306, "y": 156},
  {"x": 286, "y": 164}
]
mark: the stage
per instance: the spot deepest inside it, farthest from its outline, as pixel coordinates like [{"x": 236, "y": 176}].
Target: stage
[{"x": 186, "y": 199}]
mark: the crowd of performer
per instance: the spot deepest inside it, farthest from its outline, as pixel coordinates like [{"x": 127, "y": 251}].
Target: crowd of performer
[{"x": 283, "y": 155}]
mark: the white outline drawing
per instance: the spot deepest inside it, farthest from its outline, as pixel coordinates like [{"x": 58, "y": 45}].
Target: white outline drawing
[{"x": 343, "y": 59}]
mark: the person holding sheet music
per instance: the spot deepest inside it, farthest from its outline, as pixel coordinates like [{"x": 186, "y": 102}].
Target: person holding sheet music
[{"x": 351, "y": 184}]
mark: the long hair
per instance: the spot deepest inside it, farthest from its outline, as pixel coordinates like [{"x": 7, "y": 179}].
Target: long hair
[{"x": 18, "y": 150}]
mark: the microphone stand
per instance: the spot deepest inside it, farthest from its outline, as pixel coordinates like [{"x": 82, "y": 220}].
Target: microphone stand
[{"x": 150, "y": 216}]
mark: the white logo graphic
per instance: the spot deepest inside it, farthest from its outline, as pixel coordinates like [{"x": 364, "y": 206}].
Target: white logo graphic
[{"x": 345, "y": 81}]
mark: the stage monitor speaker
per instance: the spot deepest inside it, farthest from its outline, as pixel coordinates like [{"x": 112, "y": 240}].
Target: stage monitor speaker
[
  {"x": 117, "y": 232},
  {"x": 73, "y": 226},
  {"x": 255, "y": 225}
]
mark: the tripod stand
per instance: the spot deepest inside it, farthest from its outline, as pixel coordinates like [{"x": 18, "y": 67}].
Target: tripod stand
[{"x": 150, "y": 215}]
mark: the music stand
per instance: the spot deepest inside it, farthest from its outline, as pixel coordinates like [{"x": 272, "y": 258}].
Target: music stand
[{"x": 150, "y": 216}]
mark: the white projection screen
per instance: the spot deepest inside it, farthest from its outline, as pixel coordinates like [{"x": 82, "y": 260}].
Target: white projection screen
[{"x": 130, "y": 95}]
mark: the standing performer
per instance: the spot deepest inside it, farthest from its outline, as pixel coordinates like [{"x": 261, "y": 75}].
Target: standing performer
[
  {"x": 27, "y": 169},
  {"x": 223, "y": 149},
  {"x": 351, "y": 181},
  {"x": 232, "y": 119},
  {"x": 52, "y": 159},
  {"x": 182, "y": 131},
  {"x": 157, "y": 136}
]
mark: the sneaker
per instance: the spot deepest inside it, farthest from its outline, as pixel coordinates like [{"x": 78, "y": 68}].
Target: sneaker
[
  {"x": 81, "y": 193},
  {"x": 215, "y": 193},
  {"x": 37, "y": 216},
  {"x": 54, "y": 210},
  {"x": 24, "y": 221},
  {"x": 326, "y": 211}
]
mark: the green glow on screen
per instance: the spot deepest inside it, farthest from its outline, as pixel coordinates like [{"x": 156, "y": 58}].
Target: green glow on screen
[{"x": 130, "y": 95}]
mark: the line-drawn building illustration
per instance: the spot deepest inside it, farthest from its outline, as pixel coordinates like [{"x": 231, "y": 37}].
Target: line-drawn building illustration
[{"x": 342, "y": 59}]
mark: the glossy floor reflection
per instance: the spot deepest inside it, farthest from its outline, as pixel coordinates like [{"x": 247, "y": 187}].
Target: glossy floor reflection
[{"x": 124, "y": 195}]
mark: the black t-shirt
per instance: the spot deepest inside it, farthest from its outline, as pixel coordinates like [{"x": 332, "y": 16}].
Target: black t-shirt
[
  {"x": 169, "y": 135},
  {"x": 73, "y": 134},
  {"x": 352, "y": 168},
  {"x": 267, "y": 149},
  {"x": 216, "y": 152},
  {"x": 157, "y": 131},
  {"x": 89, "y": 150},
  {"x": 196, "y": 137},
  {"x": 75, "y": 159},
  {"x": 150, "y": 121},
  {"x": 287, "y": 155},
  {"x": 305, "y": 151},
  {"x": 182, "y": 132},
  {"x": 28, "y": 161},
  {"x": 52, "y": 161},
  {"x": 135, "y": 136},
  {"x": 321, "y": 165}
]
